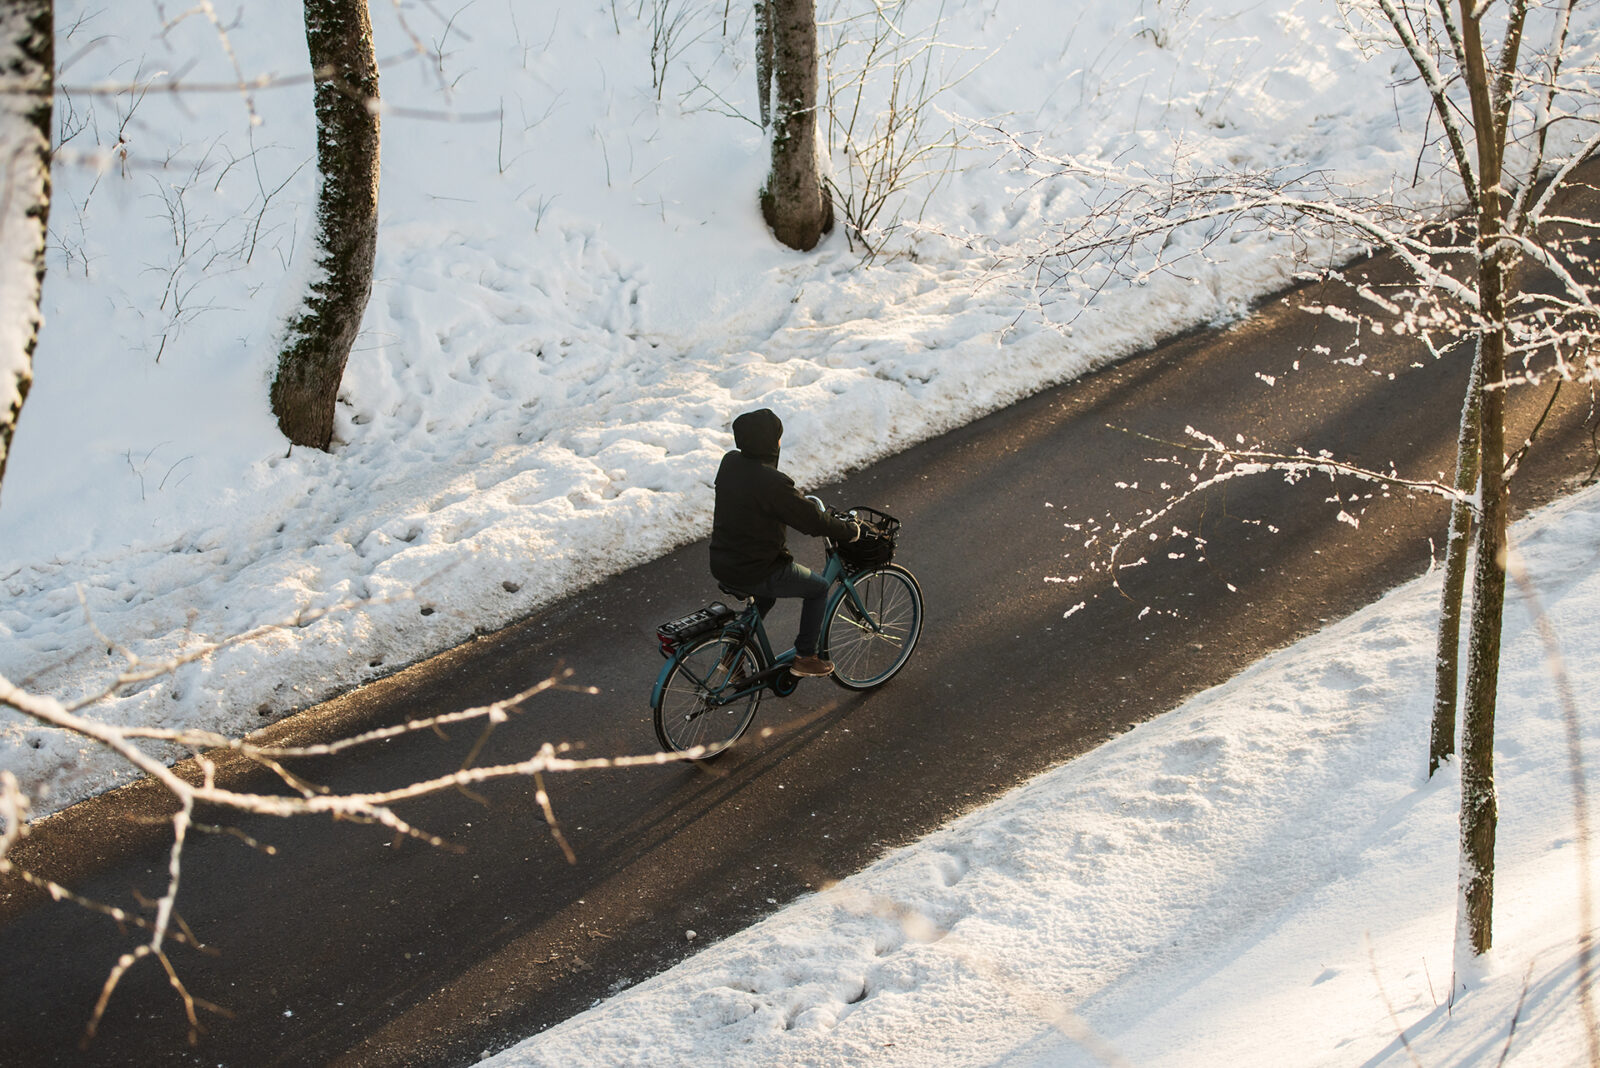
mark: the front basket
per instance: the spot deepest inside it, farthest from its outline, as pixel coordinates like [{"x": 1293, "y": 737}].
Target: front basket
[{"x": 875, "y": 547}]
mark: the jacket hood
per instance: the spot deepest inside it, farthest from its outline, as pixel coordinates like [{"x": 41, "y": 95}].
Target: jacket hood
[{"x": 757, "y": 433}]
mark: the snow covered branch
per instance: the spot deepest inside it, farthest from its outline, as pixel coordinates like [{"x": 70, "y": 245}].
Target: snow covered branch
[
  {"x": 1220, "y": 463},
  {"x": 160, "y": 919}
]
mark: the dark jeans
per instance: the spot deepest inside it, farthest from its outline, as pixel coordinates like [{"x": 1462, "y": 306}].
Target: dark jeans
[{"x": 793, "y": 580}]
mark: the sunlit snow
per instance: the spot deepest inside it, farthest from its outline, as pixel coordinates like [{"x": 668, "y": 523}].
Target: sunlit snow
[{"x": 574, "y": 295}]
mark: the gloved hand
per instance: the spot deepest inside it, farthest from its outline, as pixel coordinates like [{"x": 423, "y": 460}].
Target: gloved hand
[{"x": 855, "y": 532}]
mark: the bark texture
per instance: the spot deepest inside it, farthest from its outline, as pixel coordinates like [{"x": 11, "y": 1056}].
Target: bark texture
[
  {"x": 764, "y": 61},
  {"x": 27, "y": 68},
  {"x": 795, "y": 203},
  {"x": 318, "y": 341},
  {"x": 1447, "y": 666},
  {"x": 1479, "y": 810}
]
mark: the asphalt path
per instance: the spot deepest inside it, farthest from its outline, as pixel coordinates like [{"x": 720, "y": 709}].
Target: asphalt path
[{"x": 348, "y": 947}]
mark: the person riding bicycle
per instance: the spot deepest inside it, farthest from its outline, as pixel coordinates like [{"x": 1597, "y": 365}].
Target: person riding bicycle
[{"x": 749, "y": 545}]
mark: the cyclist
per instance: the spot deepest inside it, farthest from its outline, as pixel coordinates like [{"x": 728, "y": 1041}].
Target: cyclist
[{"x": 749, "y": 550}]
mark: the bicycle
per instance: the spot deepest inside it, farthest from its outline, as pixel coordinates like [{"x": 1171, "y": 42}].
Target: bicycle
[{"x": 720, "y": 662}]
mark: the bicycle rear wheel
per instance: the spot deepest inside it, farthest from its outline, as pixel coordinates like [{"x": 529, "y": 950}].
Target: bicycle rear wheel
[
  {"x": 693, "y": 710},
  {"x": 868, "y": 649}
]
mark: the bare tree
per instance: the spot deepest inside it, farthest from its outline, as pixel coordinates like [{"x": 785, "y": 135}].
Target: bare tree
[
  {"x": 1508, "y": 209},
  {"x": 27, "y": 60},
  {"x": 1515, "y": 131},
  {"x": 1491, "y": 111},
  {"x": 318, "y": 340},
  {"x": 794, "y": 202}
]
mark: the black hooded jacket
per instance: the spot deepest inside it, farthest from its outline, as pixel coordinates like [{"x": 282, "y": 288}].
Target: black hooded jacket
[{"x": 755, "y": 502}]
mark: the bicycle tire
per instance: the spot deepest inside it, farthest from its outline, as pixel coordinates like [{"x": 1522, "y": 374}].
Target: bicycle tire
[
  {"x": 685, "y": 717},
  {"x": 867, "y": 656}
]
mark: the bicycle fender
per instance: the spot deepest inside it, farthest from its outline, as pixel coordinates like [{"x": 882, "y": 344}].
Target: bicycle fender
[
  {"x": 841, "y": 592},
  {"x": 661, "y": 681}
]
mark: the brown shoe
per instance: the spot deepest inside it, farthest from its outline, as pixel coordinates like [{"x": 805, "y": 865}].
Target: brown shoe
[{"x": 810, "y": 667}]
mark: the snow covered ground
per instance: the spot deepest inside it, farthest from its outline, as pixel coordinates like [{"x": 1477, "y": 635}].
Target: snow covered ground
[
  {"x": 1265, "y": 876},
  {"x": 574, "y": 296}
]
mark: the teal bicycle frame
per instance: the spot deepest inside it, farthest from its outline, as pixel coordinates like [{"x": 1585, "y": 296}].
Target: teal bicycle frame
[{"x": 774, "y": 673}]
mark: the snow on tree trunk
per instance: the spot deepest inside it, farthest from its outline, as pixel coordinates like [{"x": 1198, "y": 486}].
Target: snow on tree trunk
[
  {"x": 27, "y": 66},
  {"x": 1447, "y": 668},
  {"x": 1478, "y": 804},
  {"x": 795, "y": 203},
  {"x": 317, "y": 344},
  {"x": 764, "y": 60}
]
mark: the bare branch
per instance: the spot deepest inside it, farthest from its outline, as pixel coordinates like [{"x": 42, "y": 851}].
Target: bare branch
[
  {"x": 1435, "y": 81},
  {"x": 160, "y": 920},
  {"x": 1236, "y": 463}
]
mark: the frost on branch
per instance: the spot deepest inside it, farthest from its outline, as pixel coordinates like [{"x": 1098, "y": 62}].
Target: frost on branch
[{"x": 201, "y": 783}]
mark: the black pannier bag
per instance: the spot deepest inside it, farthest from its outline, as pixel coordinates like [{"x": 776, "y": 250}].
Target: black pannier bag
[
  {"x": 875, "y": 547},
  {"x": 712, "y": 617}
]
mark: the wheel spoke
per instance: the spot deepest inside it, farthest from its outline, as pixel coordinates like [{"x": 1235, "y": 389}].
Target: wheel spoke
[
  {"x": 868, "y": 649},
  {"x": 701, "y": 704}
]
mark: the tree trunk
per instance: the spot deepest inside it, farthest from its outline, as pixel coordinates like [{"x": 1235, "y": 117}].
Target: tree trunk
[
  {"x": 1478, "y": 805},
  {"x": 27, "y": 69},
  {"x": 1447, "y": 664},
  {"x": 794, "y": 203},
  {"x": 764, "y": 61},
  {"x": 317, "y": 345}
]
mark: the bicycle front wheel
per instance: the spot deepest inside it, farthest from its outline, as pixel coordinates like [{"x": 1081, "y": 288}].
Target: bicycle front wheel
[
  {"x": 700, "y": 703},
  {"x": 870, "y": 641}
]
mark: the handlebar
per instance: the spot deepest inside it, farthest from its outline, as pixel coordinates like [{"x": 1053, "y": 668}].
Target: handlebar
[{"x": 848, "y": 517}]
